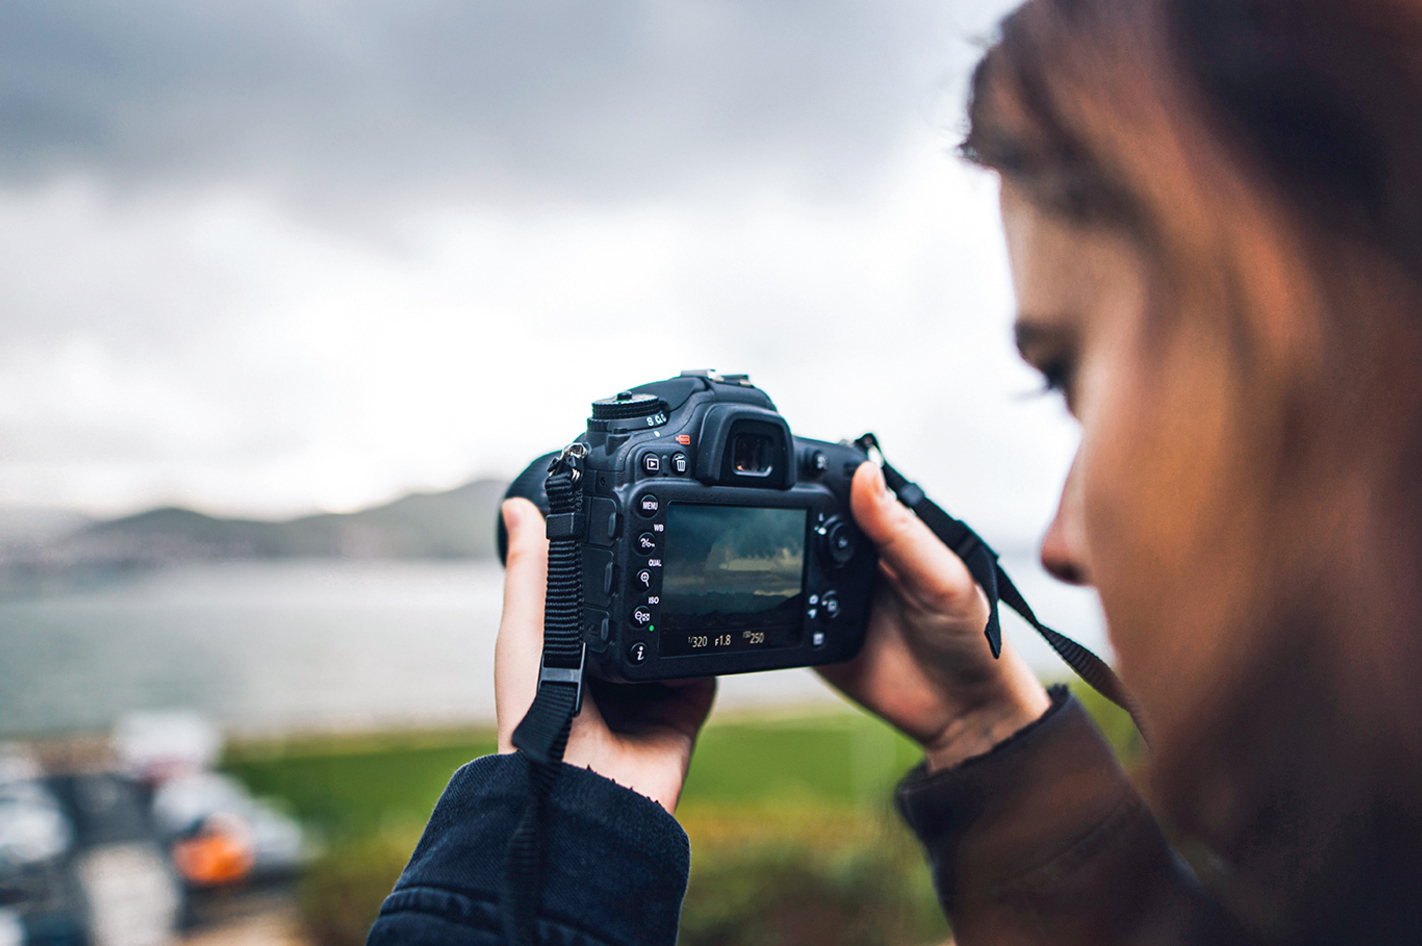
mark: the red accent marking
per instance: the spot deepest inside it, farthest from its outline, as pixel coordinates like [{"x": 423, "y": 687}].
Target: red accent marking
[{"x": 684, "y": 439}]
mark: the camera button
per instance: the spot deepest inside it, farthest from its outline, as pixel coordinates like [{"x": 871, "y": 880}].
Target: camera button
[
  {"x": 637, "y": 653},
  {"x": 830, "y": 603},
  {"x": 678, "y": 464},
  {"x": 652, "y": 463},
  {"x": 641, "y": 617},
  {"x": 644, "y": 578},
  {"x": 818, "y": 638},
  {"x": 646, "y": 542},
  {"x": 649, "y": 505}
]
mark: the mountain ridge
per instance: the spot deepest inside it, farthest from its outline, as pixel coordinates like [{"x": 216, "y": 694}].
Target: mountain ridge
[{"x": 456, "y": 523}]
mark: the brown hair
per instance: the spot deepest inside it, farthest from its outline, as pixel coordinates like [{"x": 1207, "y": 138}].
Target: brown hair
[{"x": 1267, "y": 156}]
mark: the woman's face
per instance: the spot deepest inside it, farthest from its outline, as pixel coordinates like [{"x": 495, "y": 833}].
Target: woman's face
[{"x": 1153, "y": 406}]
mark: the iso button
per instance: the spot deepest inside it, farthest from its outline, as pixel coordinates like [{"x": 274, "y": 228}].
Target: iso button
[{"x": 649, "y": 505}]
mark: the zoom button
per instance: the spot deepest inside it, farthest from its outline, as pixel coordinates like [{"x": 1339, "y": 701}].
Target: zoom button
[
  {"x": 644, "y": 578},
  {"x": 641, "y": 617}
]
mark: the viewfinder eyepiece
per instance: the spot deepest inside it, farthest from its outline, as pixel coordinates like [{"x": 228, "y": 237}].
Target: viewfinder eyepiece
[{"x": 751, "y": 455}]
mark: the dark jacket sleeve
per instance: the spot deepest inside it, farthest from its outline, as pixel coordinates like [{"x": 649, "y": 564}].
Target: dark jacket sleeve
[
  {"x": 615, "y": 863},
  {"x": 1045, "y": 840}
]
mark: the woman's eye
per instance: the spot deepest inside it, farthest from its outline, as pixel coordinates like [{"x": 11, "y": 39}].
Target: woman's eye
[{"x": 1055, "y": 375}]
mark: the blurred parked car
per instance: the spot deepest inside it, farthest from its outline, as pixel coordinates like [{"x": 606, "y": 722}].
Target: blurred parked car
[{"x": 114, "y": 858}]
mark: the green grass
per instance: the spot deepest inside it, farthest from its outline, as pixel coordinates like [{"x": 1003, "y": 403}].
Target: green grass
[{"x": 351, "y": 787}]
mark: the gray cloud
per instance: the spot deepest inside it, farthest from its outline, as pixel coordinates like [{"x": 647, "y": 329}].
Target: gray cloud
[
  {"x": 554, "y": 198},
  {"x": 506, "y": 101}
]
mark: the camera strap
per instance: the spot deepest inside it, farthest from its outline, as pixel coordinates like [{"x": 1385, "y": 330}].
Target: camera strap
[
  {"x": 987, "y": 571},
  {"x": 542, "y": 736}
]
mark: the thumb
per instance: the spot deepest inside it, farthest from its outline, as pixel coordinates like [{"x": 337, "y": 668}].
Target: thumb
[
  {"x": 519, "y": 648},
  {"x": 924, "y": 567}
]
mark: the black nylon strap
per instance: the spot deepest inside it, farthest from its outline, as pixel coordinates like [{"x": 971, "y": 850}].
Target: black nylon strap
[
  {"x": 542, "y": 735},
  {"x": 983, "y": 565}
]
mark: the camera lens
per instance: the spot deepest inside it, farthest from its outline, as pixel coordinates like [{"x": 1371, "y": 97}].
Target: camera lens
[{"x": 751, "y": 454}]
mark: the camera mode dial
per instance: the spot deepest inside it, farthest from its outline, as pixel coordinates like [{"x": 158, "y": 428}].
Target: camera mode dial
[{"x": 627, "y": 411}]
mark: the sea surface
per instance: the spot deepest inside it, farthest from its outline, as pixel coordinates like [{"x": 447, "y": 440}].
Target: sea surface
[{"x": 267, "y": 647}]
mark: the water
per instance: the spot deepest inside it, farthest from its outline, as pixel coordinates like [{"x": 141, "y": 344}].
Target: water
[{"x": 267, "y": 647}]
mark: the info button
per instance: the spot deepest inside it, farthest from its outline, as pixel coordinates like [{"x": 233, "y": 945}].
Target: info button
[{"x": 649, "y": 505}]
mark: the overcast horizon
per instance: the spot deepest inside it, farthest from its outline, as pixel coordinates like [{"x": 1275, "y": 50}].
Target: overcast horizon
[{"x": 314, "y": 255}]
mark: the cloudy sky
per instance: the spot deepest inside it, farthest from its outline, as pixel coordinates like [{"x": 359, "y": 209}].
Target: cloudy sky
[{"x": 278, "y": 256}]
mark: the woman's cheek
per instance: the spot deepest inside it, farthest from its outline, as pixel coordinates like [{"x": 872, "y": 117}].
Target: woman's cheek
[{"x": 1156, "y": 477}]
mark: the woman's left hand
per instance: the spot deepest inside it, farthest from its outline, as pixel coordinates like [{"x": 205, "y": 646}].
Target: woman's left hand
[{"x": 638, "y": 735}]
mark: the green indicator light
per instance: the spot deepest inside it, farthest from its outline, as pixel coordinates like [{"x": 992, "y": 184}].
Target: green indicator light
[{"x": 651, "y": 627}]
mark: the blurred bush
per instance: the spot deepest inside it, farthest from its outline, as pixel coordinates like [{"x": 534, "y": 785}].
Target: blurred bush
[
  {"x": 791, "y": 877},
  {"x": 342, "y": 891}
]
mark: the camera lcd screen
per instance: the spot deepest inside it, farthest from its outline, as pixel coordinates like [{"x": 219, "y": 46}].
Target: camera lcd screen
[{"x": 733, "y": 578}]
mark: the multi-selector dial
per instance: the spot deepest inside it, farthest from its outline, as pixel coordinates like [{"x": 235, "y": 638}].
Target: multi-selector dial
[{"x": 838, "y": 541}]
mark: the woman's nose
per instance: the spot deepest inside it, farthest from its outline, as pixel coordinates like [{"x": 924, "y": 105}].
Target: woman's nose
[
  {"x": 1059, "y": 558},
  {"x": 1063, "y": 552}
]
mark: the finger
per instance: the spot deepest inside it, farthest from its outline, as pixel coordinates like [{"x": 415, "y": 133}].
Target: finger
[
  {"x": 519, "y": 648},
  {"x": 923, "y": 566}
]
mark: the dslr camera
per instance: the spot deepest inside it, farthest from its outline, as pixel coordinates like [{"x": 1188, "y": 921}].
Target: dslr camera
[{"x": 716, "y": 541}]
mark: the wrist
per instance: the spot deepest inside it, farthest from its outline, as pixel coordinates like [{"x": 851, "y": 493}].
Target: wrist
[
  {"x": 1020, "y": 702},
  {"x": 656, "y": 770}
]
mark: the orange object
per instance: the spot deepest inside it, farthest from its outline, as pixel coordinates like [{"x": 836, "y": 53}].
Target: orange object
[{"x": 215, "y": 857}]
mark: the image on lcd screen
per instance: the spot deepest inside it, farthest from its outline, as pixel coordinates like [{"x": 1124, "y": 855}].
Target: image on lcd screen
[{"x": 732, "y": 569}]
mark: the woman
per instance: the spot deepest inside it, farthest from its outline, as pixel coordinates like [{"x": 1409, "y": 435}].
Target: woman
[{"x": 1214, "y": 216}]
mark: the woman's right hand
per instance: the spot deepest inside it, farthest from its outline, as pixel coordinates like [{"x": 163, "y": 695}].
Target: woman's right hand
[{"x": 926, "y": 667}]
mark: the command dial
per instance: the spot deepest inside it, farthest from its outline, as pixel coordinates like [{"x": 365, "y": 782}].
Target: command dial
[{"x": 627, "y": 412}]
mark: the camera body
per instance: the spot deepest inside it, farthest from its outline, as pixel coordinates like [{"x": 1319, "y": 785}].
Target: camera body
[{"x": 716, "y": 541}]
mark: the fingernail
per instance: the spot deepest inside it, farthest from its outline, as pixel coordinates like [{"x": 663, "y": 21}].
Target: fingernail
[
  {"x": 880, "y": 488},
  {"x": 512, "y": 514}
]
